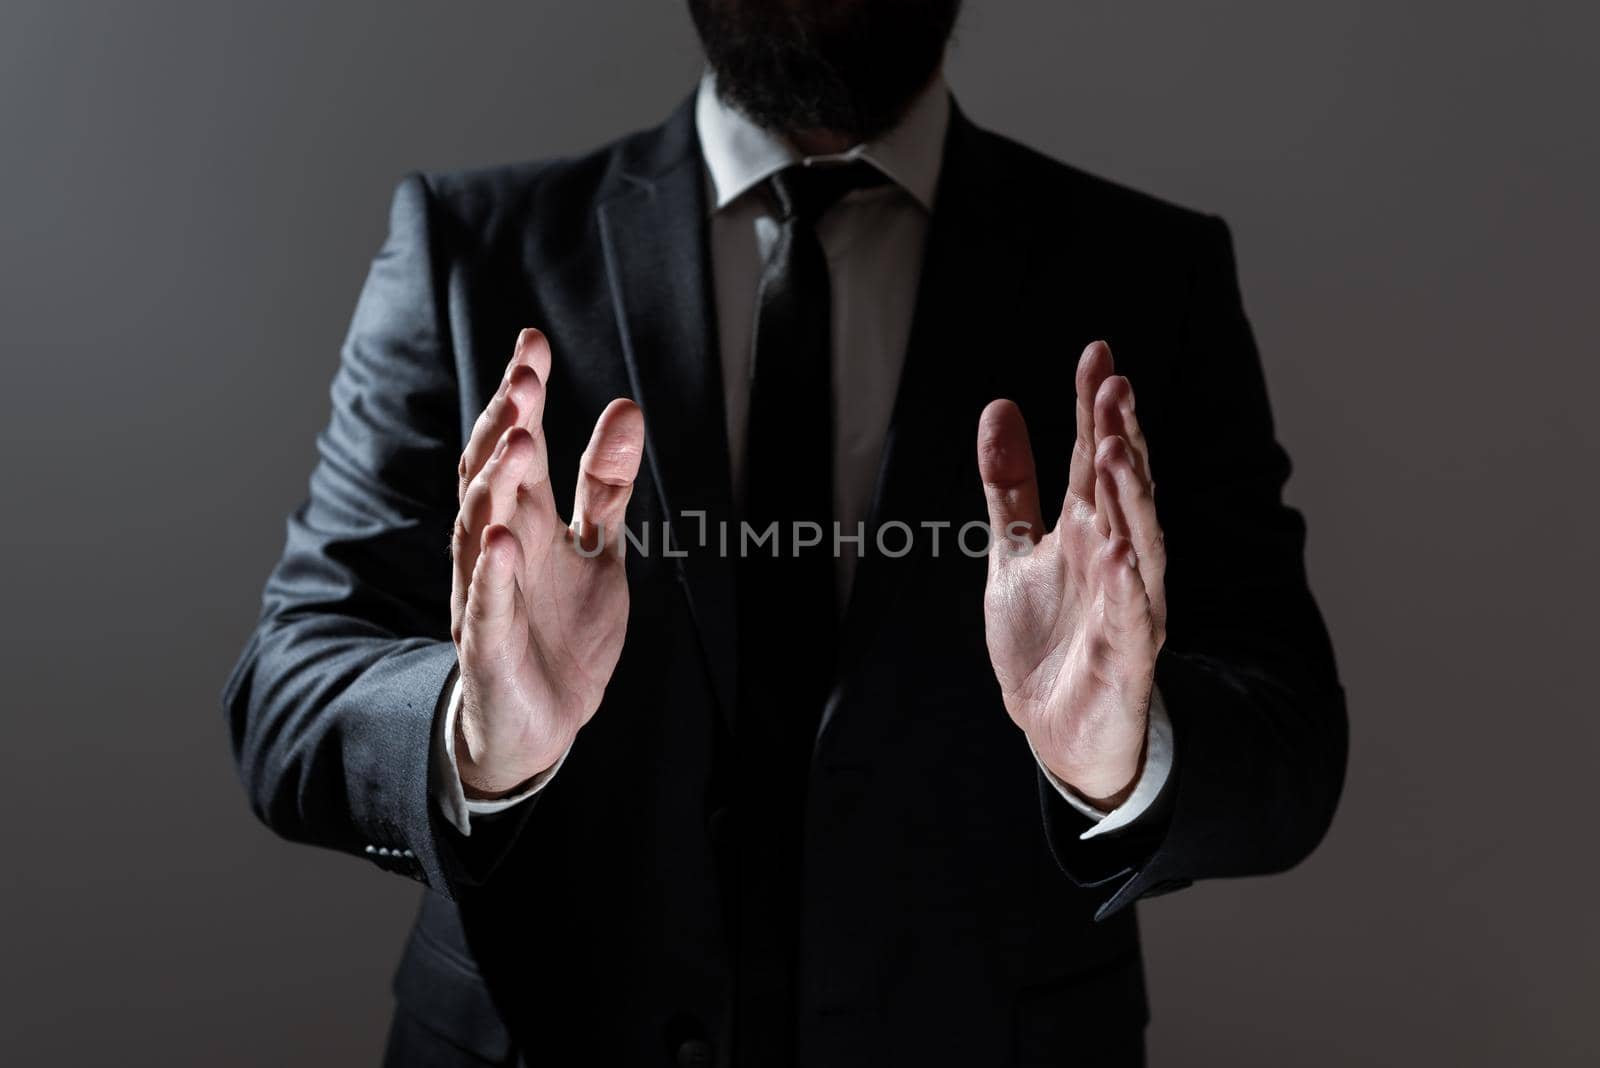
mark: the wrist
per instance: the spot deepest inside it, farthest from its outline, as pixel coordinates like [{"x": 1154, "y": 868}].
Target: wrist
[
  {"x": 1103, "y": 786},
  {"x": 485, "y": 777}
]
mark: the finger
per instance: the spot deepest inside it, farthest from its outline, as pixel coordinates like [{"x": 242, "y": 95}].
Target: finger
[
  {"x": 606, "y": 474},
  {"x": 1131, "y": 512},
  {"x": 1134, "y": 432},
  {"x": 1110, "y": 457},
  {"x": 533, "y": 517},
  {"x": 1126, "y": 606},
  {"x": 490, "y": 499},
  {"x": 492, "y": 598},
  {"x": 1113, "y": 417},
  {"x": 1005, "y": 463},
  {"x": 532, "y": 350},
  {"x": 1093, "y": 368},
  {"x": 518, "y": 403}
]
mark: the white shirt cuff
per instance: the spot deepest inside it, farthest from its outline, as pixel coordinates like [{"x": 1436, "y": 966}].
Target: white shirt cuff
[
  {"x": 452, "y": 798},
  {"x": 1157, "y": 766}
]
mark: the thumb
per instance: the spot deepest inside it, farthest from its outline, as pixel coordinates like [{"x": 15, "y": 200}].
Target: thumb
[{"x": 1005, "y": 463}]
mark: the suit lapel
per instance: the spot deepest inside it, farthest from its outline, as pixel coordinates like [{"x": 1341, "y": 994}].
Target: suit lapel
[{"x": 658, "y": 267}]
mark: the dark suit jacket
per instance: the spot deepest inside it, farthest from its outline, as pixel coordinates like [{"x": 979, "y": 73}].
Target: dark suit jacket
[{"x": 952, "y": 914}]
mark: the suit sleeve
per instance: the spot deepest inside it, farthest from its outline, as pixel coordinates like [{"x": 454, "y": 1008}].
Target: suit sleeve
[
  {"x": 333, "y": 701},
  {"x": 1247, "y": 672}
]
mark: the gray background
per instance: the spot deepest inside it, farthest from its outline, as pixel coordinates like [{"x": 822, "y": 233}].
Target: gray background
[{"x": 189, "y": 196}]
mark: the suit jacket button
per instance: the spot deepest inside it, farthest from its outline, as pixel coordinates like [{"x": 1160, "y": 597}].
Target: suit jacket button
[{"x": 695, "y": 1053}]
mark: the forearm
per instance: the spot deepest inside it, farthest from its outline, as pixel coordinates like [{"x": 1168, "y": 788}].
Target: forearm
[
  {"x": 1247, "y": 672},
  {"x": 333, "y": 702},
  {"x": 332, "y": 721}
]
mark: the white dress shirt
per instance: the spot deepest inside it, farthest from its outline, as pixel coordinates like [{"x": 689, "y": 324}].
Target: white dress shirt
[{"x": 873, "y": 239}]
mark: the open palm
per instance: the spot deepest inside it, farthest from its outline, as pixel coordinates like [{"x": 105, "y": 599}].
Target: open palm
[
  {"x": 539, "y": 608},
  {"x": 1074, "y": 623}
]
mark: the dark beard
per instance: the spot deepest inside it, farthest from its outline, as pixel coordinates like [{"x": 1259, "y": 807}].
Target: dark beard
[{"x": 850, "y": 67}]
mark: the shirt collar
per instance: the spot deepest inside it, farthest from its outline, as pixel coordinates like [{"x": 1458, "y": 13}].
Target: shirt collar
[{"x": 739, "y": 154}]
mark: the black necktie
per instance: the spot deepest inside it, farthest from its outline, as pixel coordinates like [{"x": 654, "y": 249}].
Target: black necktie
[{"x": 788, "y": 617}]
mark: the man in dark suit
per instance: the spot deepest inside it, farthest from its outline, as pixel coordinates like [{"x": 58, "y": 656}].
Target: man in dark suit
[{"x": 724, "y": 768}]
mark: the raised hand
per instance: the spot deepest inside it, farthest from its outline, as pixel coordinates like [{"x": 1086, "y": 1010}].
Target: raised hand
[
  {"x": 1074, "y": 625},
  {"x": 537, "y": 623}
]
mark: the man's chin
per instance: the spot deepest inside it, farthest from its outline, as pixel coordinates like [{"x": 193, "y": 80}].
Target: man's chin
[{"x": 852, "y": 71}]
